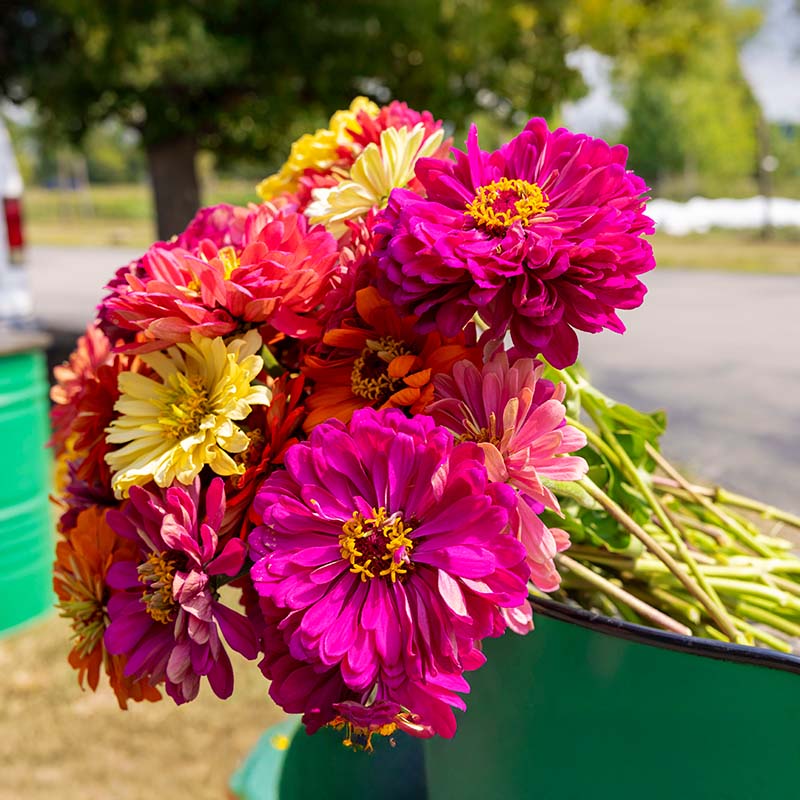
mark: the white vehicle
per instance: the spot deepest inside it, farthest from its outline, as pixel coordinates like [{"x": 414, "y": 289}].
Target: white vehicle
[{"x": 16, "y": 309}]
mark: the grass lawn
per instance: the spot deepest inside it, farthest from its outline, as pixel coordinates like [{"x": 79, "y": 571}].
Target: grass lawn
[
  {"x": 733, "y": 251},
  {"x": 122, "y": 216},
  {"x": 59, "y": 742}
]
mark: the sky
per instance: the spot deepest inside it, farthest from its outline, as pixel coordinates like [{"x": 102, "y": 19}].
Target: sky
[{"x": 771, "y": 62}]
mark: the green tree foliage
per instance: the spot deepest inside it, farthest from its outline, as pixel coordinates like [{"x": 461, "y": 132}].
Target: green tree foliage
[
  {"x": 690, "y": 109},
  {"x": 240, "y": 77}
]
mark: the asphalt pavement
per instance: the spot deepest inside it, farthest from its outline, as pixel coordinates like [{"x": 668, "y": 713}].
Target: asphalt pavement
[{"x": 718, "y": 351}]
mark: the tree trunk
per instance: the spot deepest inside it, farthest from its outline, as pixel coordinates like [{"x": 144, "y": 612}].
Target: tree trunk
[{"x": 174, "y": 180}]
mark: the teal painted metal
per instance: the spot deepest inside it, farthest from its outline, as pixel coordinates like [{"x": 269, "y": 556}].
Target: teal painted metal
[
  {"x": 320, "y": 766},
  {"x": 571, "y": 712},
  {"x": 26, "y": 547},
  {"x": 591, "y": 708}
]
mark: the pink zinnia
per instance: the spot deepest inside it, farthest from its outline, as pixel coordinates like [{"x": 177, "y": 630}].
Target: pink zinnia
[
  {"x": 165, "y": 611},
  {"x": 540, "y": 237},
  {"x": 222, "y": 224},
  {"x": 278, "y": 279},
  {"x": 517, "y": 419},
  {"x": 386, "y": 548}
]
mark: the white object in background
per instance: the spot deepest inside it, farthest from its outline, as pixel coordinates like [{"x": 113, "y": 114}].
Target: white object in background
[
  {"x": 16, "y": 308},
  {"x": 701, "y": 214}
]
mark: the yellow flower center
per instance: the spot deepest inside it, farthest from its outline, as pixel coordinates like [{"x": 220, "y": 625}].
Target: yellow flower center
[
  {"x": 370, "y": 378},
  {"x": 229, "y": 261},
  {"x": 157, "y": 574},
  {"x": 360, "y": 738},
  {"x": 499, "y": 204},
  {"x": 475, "y": 433},
  {"x": 185, "y": 407},
  {"x": 377, "y": 545},
  {"x": 86, "y": 612}
]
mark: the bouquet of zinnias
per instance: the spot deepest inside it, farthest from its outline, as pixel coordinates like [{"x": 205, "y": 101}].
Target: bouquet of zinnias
[{"x": 332, "y": 403}]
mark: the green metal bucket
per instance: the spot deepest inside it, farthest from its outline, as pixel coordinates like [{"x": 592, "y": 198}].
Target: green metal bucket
[
  {"x": 590, "y": 707},
  {"x": 26, "y": 549}
]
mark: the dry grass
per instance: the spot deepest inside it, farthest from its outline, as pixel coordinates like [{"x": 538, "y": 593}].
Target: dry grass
[
  {"x": 729, "y": 251},
  {"x": 59, "y": 742}
]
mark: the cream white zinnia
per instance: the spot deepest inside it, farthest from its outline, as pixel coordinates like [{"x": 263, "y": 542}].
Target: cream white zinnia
[{"x": 374, "y": 174}]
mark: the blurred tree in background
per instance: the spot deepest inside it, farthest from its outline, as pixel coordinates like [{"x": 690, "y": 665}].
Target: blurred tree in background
[
  {"x": 238, "y": 77},
  {"x": 243, "y": 78},
  {"x": 690, "y": 109}
]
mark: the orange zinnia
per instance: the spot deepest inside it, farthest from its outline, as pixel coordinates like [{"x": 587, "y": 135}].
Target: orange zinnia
[
  {"x": 82, "y": 562},
  {"x": 377, "y": 359}
]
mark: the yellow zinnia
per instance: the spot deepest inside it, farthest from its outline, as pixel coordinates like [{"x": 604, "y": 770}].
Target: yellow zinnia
[
  {"x": 172, "y": 428},
  {"x": 317, "y": 150},
  {"x": 375, "y": 173}
]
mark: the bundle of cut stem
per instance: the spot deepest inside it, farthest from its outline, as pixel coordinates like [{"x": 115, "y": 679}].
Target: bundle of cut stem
[{"x": 654, "y": 548}]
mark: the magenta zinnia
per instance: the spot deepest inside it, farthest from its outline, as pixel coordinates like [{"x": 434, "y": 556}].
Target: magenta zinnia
[
  {"x": 386, "y": 547},
  {"x": 517, "y": 418},
  {"x": 541, "y": 237},
  {"x": 166, "y": 615}
]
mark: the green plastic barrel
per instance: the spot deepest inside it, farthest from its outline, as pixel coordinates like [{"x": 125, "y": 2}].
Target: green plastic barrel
[
  {"x": 586, "y": 707},
  {"x": 26, "y": 544}
]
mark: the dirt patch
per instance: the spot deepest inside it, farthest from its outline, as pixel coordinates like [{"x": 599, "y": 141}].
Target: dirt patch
[{"x": 57, "y": 741}]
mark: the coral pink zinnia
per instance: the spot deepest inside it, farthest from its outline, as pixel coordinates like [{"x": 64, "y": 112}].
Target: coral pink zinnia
[
  {"x": 517, "y": 419},
  {"x": 540, "y": 237},
  {"x": 278, "y": 278},
  {"x": 386, "y": 547},
  {"x": 166, "y": 616}
]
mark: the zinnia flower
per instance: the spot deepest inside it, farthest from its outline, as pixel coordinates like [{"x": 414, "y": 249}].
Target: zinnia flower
[
  {"x": 270, "y": 430},
  {"x": 318, "y": 151},
  {"x": 376, "y": 358},
  {"x": 222, "y": 224},
  {"x": 394, "y": 115},
  {"x": 83, "y": 560},
  {"x": 92, "y": 351},
  {"x": 517, "y": 419},
  {"x": 540, "y": 237},
  {"x": 278, "y": 280},
  {"x": 379, "y": 169},
  {"x": 171, "y": 428},
  {"x": 386, "y": 547},
  {"x": 166, "y": 616}
]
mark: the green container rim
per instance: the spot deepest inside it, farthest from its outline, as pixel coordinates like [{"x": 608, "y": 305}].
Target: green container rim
[{"x": 666, "y": 640}]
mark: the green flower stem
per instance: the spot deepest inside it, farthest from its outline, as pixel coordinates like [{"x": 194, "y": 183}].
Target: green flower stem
[
  {"x": 758, "y": 614},
  {"x": 786, "y": 585},
  {"x": 636, "y": 479},
  {"x": 617, "y": 593},
  {"x": 764, "y": 637},
  {"x": 712, "y": 633},
  {"x": 596, "y": 441},
  {"x": 714, "y": 531},
  {"x": 691, "y": 612},
  {"x": 743, "y": 589},
  {"x": 599, "y": 556},
  {"x": 712, "y": 604},
  {"x": 720, "y": 495},
  {"x": 756, "y": 568},
  {"x": 271, "y": 364},
  {"x": 733, "y": 526}
]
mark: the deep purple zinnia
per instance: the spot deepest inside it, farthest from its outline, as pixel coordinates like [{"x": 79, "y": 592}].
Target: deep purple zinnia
[
  {"x": 165, "y": 611},
  {"x": 385, "y": 547},
  {"x": 541, "y": 237}
]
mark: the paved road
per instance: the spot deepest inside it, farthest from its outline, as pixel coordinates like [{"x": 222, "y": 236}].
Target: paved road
[
  {"x": 718, "y": 351},
  {"x": 67, "y": 282}
]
